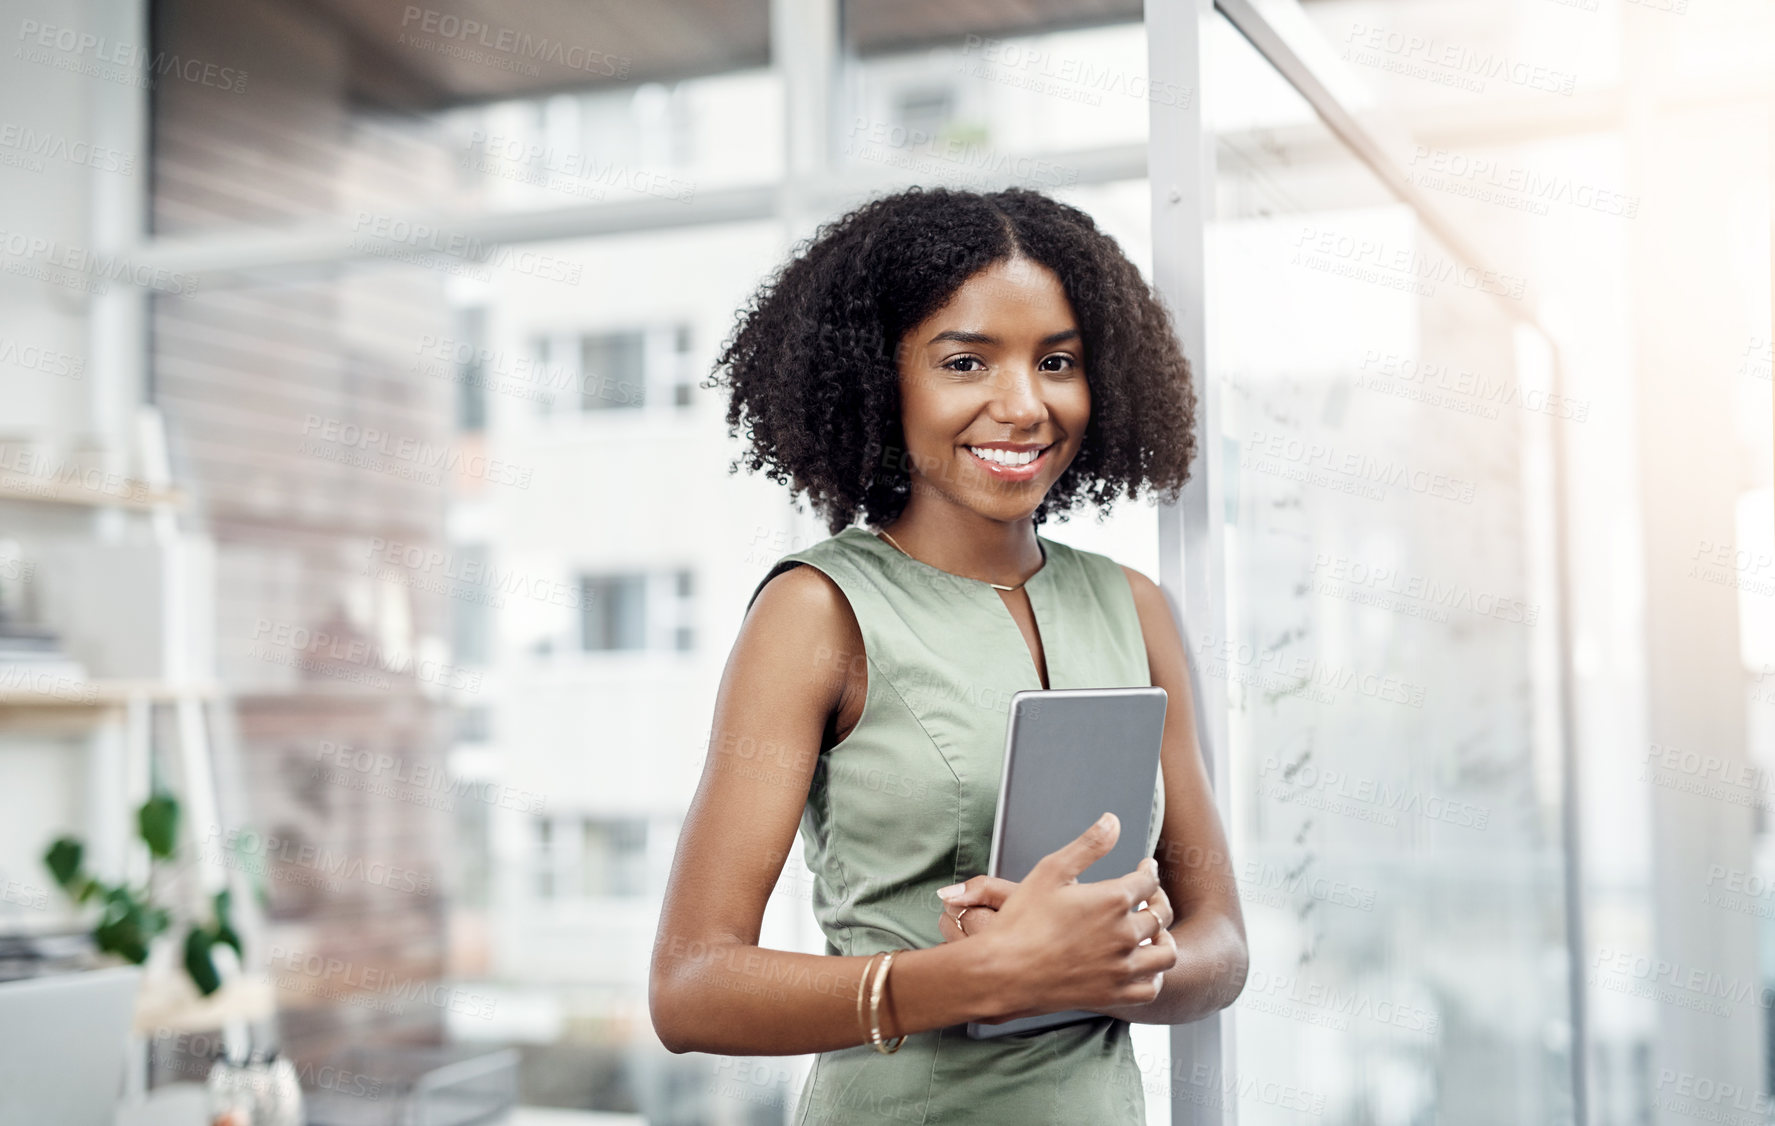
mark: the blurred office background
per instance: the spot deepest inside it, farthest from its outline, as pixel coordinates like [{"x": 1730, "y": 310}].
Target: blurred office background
[{"x": 359, "y": 485}]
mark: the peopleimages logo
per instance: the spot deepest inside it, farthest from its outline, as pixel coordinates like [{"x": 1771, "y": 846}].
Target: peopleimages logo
[
  {"x": 1526, "y": 185},
  {"x": 342, "y": 437},
  {"x": 1699, "y": 987},
  {"x": 1454, "y": 64},
  {"x": 312, "y": 646},
  {"x": 1365, "y": 577},
  {"x": 1334, "y": 1001},
  {"x": 393, "y": 234},
  {"x": 1074, "y": 78},
  {"x": 510, "y": 41},
  {"x": 77, "y": 47},
  {"x": 34, "y": 250},
  {"x": 576, "y": 167},
  {"x": 1360, "y": 465},
  {"x": 30, "y": 143},
  {"x": 1378, "y": 793},
  {"x": 415, "y": 562},
  {"x": 37, "y": 358},
  {"x": 1371, "y": 259},
  {"x": 1693, "y": 1088},
  {"x": 24, "y": 895},
  {"x": 194, "y": 1053},
  {"x": 302, "y": 862},
  {"x": 345, "y": 978},
  {"x": 894, "y": 144},
  {"x": 1462, "y": 389},
  {"x": 376, "y": 768}
]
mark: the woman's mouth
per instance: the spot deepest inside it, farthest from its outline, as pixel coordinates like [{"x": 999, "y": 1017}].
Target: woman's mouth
[{"x": 1009, "y": 465}]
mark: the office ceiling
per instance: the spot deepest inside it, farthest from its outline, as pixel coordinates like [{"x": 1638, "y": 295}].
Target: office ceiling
[
  {"x": 884, "y": 25},
  {"x": 457, "y": 51}
]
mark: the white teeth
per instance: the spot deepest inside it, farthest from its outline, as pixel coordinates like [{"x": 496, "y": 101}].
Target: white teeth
[{"x": 1005, "y": 457}]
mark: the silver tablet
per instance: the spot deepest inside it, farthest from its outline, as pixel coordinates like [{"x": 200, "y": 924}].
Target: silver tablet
[{"x": 1071, "y": 754}]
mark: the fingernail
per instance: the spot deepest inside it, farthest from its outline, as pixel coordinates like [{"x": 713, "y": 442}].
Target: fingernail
[
  {"x": 1102, "y": 822},
  {"x": 951, "y": 891}
]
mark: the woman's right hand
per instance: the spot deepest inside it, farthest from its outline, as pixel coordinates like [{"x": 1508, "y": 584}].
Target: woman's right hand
[{"x": 1079, "y": 946}]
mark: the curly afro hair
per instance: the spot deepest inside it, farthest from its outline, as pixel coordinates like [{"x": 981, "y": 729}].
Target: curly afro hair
[{"x": 812, "y": 359}]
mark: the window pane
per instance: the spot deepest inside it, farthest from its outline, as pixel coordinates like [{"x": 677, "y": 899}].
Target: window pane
[
  {"x": 1397, "y": 805},
  {"x": 979, "y": 109},
  {"x": 614, "y": 612},
  {"x": 615, "y": 857},
  {"x": 471, "y": 610},
  {"x": 471, "y": 376},
  {"x": 614, "y": 370},
  {"x": 543, "y": 858}
]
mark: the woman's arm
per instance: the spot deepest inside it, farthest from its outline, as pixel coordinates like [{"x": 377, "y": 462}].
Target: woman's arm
[{"x": 712, "y": 988}]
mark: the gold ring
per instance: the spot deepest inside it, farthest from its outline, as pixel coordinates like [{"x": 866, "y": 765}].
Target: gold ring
[{"x": 957, "y": 917}]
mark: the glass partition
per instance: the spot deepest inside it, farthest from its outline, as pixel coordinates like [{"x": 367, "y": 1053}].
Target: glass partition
[{"x": 1397, "y": 822}]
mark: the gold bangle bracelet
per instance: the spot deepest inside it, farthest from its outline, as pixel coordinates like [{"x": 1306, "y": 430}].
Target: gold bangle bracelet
[
  {"x": 862, "y": 989},
  {"x": 893, "y": 1045}
]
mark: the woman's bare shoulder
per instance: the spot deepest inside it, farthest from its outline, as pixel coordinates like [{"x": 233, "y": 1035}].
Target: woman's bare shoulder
[
  {"x": 802, "y": 594},
  {"x": 802, "y": 621}
]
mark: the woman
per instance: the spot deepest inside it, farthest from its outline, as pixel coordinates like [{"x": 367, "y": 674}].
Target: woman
[{"x": 953, "y": 368}]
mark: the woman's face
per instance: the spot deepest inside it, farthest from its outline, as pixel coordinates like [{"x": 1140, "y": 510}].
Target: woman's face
[{"x": 999, "y": 369}]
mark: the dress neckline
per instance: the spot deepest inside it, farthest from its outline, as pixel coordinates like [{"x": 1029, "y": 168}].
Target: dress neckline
[
  {"x": 1035, "y": 589},
  {"x": 1040, "y": 540}
]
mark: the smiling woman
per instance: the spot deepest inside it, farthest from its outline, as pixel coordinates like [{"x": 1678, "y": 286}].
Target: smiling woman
[
  {"x": 824, "y": 353},
  {"x": 952, "y": 367}
]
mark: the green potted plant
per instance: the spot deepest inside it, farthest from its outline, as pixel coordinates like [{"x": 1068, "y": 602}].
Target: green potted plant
[{"x": 129, "y": 918}]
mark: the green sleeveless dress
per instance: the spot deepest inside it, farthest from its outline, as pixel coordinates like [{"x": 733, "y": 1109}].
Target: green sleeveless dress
[{"x": 904, "y": 805}]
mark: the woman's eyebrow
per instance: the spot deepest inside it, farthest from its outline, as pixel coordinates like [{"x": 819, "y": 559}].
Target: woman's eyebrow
[{"x": 961, "y": 337}]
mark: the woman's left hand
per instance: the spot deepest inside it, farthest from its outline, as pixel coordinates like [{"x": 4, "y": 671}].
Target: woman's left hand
[{"x": 982, "y": 896}]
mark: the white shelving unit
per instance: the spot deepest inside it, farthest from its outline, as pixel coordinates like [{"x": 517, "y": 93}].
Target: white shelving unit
[{"x": 113, "y": 717}]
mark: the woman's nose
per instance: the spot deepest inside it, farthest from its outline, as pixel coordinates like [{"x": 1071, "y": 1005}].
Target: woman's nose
[{"x": 1016, "y": 398}]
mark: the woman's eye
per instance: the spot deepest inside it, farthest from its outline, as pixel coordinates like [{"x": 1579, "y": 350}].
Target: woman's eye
[
  {"x": 1057, "y": 363},
  {"x": 952, "y": 364}
]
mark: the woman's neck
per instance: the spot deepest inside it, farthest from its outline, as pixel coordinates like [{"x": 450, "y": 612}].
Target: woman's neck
[{"x": 963, "y": 542}]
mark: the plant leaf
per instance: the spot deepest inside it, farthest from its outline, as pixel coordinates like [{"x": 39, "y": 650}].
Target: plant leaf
[
  {"x": 159, "y": 823},
  {"x": 224, "y": 932},
  {"x": 64, "y": 858},
  {"x": 127, "y": 926},
  {"x": 199, "y": 963},
  {"x": 225, "y": 936}
]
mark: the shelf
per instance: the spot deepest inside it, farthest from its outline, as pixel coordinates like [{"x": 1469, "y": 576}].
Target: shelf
[
  {"x": 129, "y": 494},
  {"x": 170, "y": 1004},
  {"x": 103, "y": 694},
  {"x": 82, "y": 707}
]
